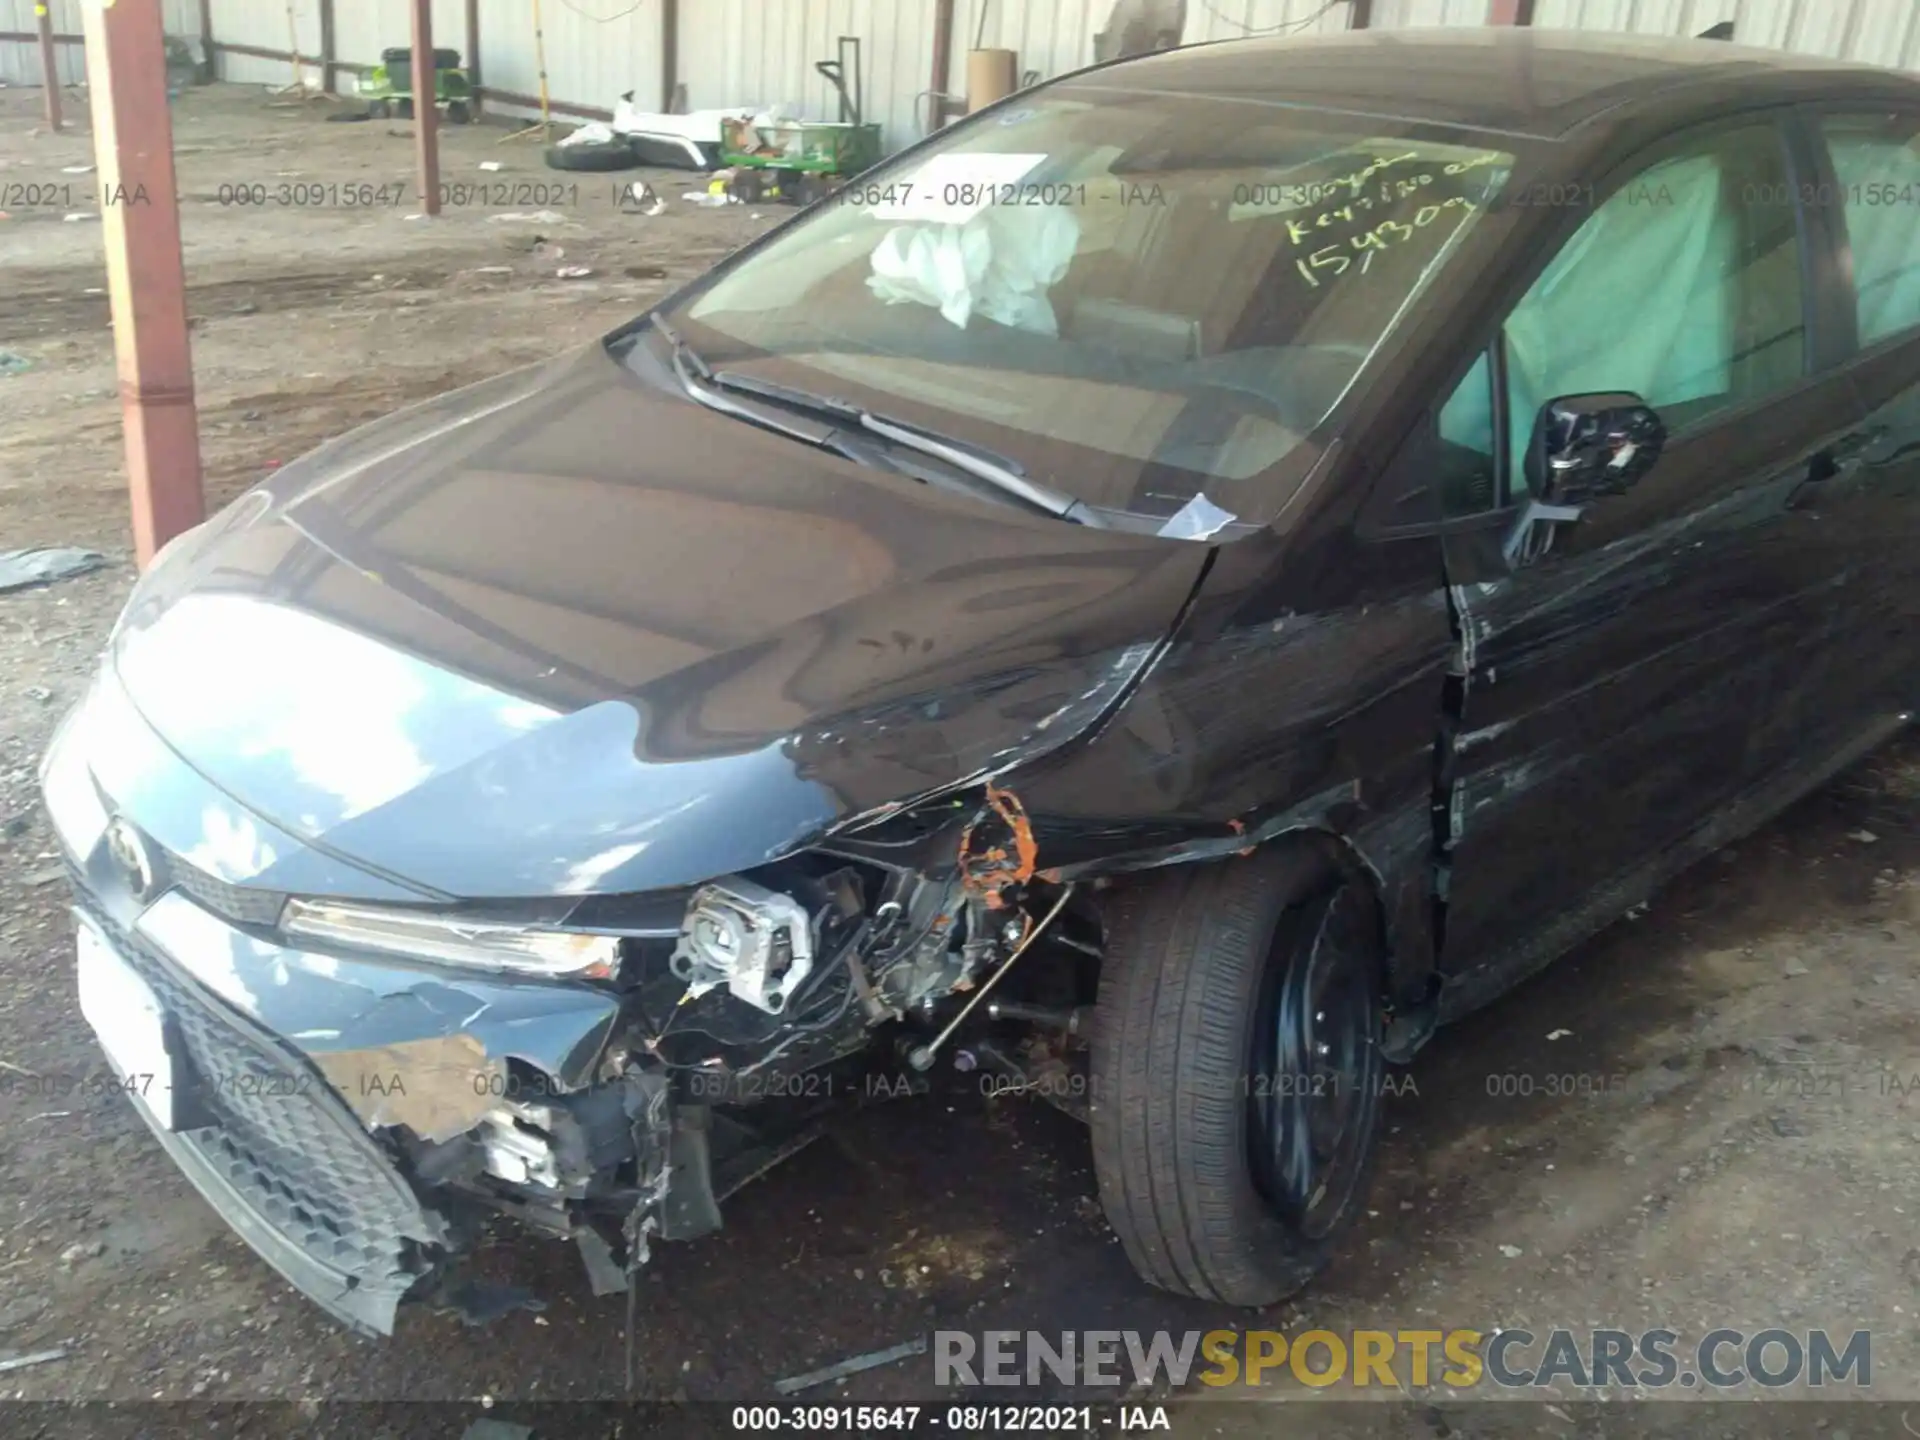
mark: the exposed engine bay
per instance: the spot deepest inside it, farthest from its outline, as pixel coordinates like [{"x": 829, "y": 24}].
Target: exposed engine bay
[{"x": 835, "y": 976}]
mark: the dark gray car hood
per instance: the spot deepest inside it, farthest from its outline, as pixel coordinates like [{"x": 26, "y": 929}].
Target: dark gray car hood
[{"x": 563, "y": 632}]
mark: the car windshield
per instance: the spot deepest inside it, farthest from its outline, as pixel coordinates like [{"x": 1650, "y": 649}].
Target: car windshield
[{"x": 1142, "y": 300}]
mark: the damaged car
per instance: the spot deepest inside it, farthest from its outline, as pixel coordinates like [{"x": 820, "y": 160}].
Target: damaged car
[{"x": 1173, "y": 588}]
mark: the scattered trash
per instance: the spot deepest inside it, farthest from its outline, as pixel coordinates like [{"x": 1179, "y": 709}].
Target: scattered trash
[
  {"x": 1794, "y": 970},
  {"x": 38, "y": 692},
  {"x": 93, "y": 290},
  {"x": 417, "y": 215},
  {"x": 85, "y": 1250},
  {"x": 491, "y": 270},
  {"x": 754, "y": 216},
  {"x": 80, "y": 215},
  {"x": 76, "y": 169},
  {"x": 489, "y": 164},
  {"x": 710, "y": 198},
  {"x": 533, "y": 217},
  {"x": 574, "y": 272},
  {"x": 1512, "y": 1252},
  {"x": 1865, "y": 837},
  {"x": 545, "y": 249},
  {"x": 1558, "y": 1034},
  {"x": 12, "y": 364},
  {"x": 639, "y": 198},
  {"x": 871, "y": 1361},
  {"x": 594, "y": 132},
  {"x": 22, "y": 568},
  {"x": 38, "y": 1357}
]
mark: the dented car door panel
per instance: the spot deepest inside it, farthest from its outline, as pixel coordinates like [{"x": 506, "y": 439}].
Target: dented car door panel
[{"x": 1622, "y": 690}]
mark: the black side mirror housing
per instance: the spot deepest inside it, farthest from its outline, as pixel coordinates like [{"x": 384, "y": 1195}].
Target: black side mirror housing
[{"x": 1585, "y": 447}]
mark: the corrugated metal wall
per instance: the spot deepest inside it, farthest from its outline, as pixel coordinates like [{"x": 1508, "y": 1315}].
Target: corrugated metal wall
[
  {"x": 761, "y": 52},
  {"x": 266, "y": 25},
  {"x": 363, "y": 28},
  {"x": 20, "y": 64},
  {"x": 596, "y": 49}
]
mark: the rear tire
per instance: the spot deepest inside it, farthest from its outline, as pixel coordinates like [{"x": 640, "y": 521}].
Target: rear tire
[
  {"x": 1237, "y": 1072},
  {"x": 593, "y": 155},
  {"x": 458, "y": 113}
]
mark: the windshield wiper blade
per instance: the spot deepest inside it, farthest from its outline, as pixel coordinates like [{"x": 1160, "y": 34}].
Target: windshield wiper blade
[
  {"x": 695, "y": 376},
  {"x": 995, "y": 470}
]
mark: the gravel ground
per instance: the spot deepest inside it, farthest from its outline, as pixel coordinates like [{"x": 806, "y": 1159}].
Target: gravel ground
[{"x": 1705, "y": 1117}]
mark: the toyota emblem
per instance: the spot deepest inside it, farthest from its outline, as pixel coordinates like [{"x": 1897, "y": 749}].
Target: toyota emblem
[{"x": 130, "y": 852}]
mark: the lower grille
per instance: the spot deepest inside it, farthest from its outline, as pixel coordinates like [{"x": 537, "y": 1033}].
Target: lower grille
[{"x": 314, "y": 1176}]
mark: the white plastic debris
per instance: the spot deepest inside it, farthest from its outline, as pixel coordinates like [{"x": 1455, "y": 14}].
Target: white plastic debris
[
  {"x": 711, "y": 198},
  {"x": 79, "y": 215},
  {"x": 574, "y": 272},
  {"x": 1512, "y": 1252},
  {"x": 594, "y": 132},
  {"x": 489, "y": 164},
  {"x": 76, "y": 169},
  {"x": 1558, "y": 1034},
  {"x": 1198, "y": 519}
]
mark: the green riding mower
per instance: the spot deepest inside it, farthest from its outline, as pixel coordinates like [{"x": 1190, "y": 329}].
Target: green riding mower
[
  {"x": 801, "y": 161},
  {"x": 388, "y": 87}
]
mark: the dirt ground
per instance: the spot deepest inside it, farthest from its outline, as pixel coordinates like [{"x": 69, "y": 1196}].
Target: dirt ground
[{"x": 1738, "y": 1147}]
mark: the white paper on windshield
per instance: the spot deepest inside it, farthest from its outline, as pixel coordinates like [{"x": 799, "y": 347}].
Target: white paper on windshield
[
  {"x": 1198, "y": 519},
  {"x": 951, "y": 188}
]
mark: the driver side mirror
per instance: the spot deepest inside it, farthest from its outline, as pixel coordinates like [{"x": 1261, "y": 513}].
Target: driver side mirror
[{"x": 1585, "y": 447}]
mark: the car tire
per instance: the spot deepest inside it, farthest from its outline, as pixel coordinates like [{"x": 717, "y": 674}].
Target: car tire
[
  {"x": 1210, "y": 1101},
  {"x": 458, "y": 113},
  {"x": 593, "y": 155}
]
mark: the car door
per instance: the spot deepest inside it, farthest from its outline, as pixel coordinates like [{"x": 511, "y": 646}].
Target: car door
[
  {"x": 1869, "y": 489},
  {"x": 1622, "y": 697}
]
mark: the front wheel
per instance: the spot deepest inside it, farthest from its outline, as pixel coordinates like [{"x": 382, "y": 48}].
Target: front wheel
[{"x": 1237, "y": 1072}]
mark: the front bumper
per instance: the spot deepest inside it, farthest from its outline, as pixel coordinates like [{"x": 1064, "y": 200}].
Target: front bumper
[{"x": 296, "y": 1073}]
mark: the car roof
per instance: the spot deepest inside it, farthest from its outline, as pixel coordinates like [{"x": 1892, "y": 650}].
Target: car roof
[{"x": 1514, "y": 80}]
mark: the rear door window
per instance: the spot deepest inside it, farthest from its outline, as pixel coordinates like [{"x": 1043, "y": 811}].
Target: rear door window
[{"x": 1876, "y": 159}]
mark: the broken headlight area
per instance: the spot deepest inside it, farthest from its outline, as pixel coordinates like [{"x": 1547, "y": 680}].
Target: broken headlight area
[{"x": 762, "y": 1005}]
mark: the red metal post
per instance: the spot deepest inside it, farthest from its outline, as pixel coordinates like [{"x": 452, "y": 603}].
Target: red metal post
[
  {"x": 426, "y": 115},
  {"x": 49, "y": 72},
  {"x": 146, "y": 281},
  {"x": 1509, "y": 12}
]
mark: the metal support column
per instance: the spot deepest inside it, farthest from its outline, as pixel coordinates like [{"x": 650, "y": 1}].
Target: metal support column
[
  {"x": 49, "y": 71},
  {"x": 426, "y": 114},
  {"x": 146, "y": 281}
]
